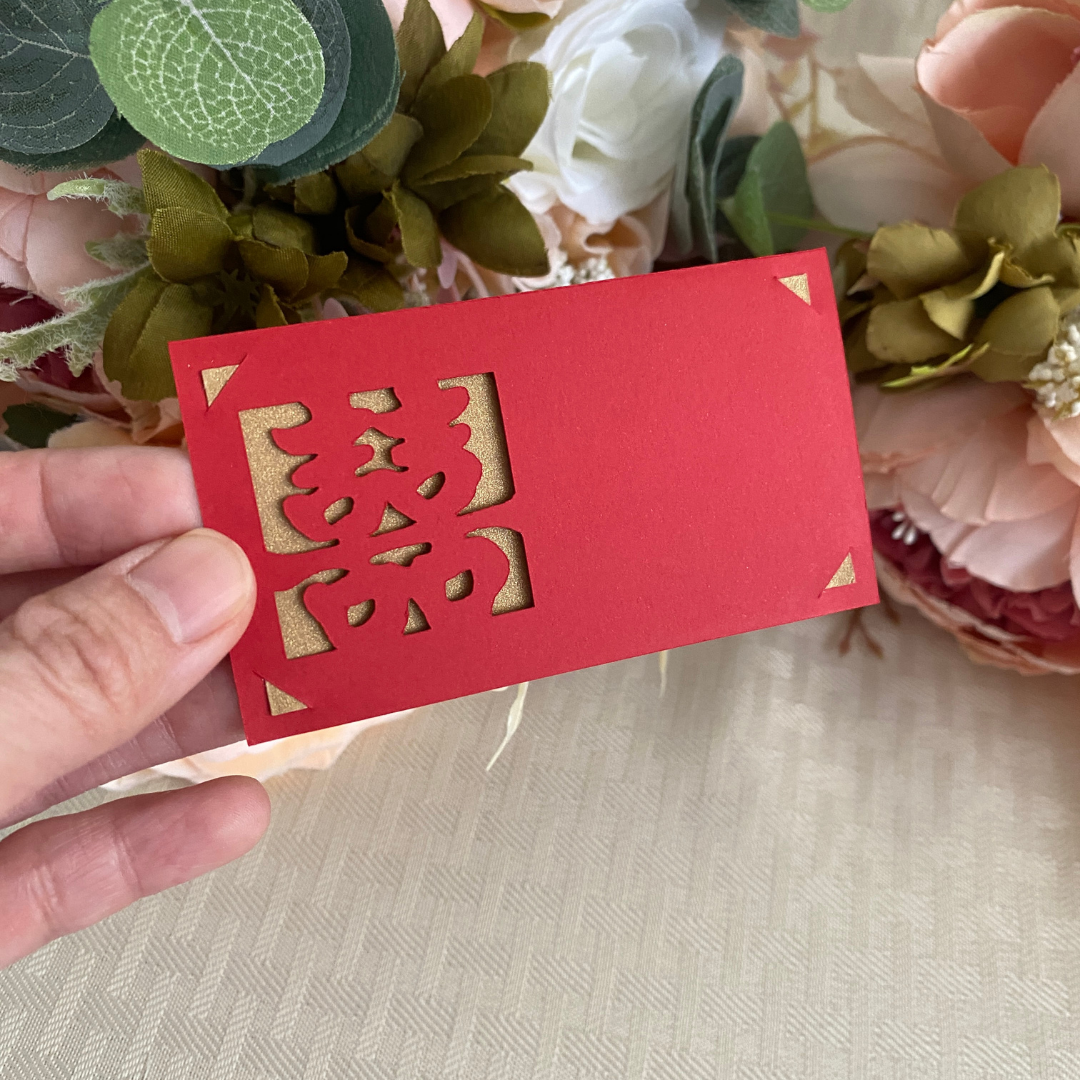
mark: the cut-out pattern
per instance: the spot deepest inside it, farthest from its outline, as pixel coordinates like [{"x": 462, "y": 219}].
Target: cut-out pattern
[
  {"x": 844, "y": 576},
  {"x": 281, "y": 703},
  {"x": 403, "y": 556},
  {"x": 301, "y": 633},
  {"x": 337, "y": 510},
  {"x": 487, "y": 440},
  {"x": 417, "y": 620},
  {"x": 214, "y": 380},
  {"x": 516, "y": 594},
  {"x": 460, "y": 586},
  {"x": 382, "y": 452},
  {"x": 392, "y": 520},
  {"x": 358, "y": 614},
  {"x": 799, "y": 284},
  {"x": 431, "y": 486},
  {"x": 376, "y": 401},
  {"x": 271, "y": 475}
]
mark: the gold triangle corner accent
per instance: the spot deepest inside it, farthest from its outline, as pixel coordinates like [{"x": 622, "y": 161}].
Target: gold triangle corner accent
[
  {"x": 799, "y": 284},
  {"x": 214, "y": 380},
  {"x": 280, "y": 702},
  {"x": 844, "y": 576}
]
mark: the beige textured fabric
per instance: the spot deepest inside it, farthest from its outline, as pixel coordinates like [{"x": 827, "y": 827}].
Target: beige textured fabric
[{"x": 795, "y": 866}]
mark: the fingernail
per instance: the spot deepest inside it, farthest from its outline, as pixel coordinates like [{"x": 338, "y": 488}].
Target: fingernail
[{"x": 196, "y": 583}]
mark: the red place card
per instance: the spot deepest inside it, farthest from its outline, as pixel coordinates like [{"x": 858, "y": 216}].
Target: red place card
[{"x": 445, "y": 500}]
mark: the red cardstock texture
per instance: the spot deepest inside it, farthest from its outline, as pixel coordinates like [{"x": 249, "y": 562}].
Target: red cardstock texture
[{"x": 683, "y": 464}]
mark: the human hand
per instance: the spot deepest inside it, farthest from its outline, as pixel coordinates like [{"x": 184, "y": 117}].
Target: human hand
[{"x": 111, "y": 644}]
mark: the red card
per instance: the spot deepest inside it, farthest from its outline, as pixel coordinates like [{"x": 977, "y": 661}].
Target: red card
[{"x": 445, "y": 500}]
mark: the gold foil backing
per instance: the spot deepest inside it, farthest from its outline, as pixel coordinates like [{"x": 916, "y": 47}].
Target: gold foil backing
[
  {"x": 280, "y": 702},
  {"x": 844, "y": 576},
  {"x": 214, "y": 380},
  {"x": 301, "y": 633},
  {"x": 382, "y": 456},
  {"x": 487, "y": 440},
  {"x": 799, "y": 284},
  {"x": 359, "y": 614},
  {"x": 431, "y": 486},
  {"x": 337, "y": 510},
  {"x": 403, "y": 556},
  {"x": 460, "y": 586},
  {"x": 417, "y": 620},
  {"x": 516, "y": 593},
  {"x": 392, "y": 520},
  {"x": 376, "y": 401},
  {"x": 271, "y": 475}
]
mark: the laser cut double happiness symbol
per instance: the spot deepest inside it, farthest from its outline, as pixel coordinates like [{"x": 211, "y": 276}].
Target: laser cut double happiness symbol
[{"x": 401, "y": 504}]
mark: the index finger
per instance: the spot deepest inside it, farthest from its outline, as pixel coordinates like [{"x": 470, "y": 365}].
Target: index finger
[{"x": 85, "y": 507}]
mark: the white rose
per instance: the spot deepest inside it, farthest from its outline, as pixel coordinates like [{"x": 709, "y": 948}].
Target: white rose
[{"x": 624, "y": 77}]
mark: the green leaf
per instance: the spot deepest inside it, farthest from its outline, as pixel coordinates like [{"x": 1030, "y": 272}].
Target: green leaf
[
  {"x": 79, "y": 331},
  {"x": 516, "y": 20},
  {"x": 211, "y": 82},
  {"x": 372, "y": 286},
  {"x": 446, "y": 194},
  {"x": 775, "y": 182},
  {"x": 1023, "y": 325},
  {"x": 713, "y": 109},
  {"x": 369, "y": 102},
  {"x": 829, "y": 6},
  {"x": 452, "y": 118},
  {"x": 116, "y": 140},
  {"x": 910, "y": 258},
  {"x": 284, "y": 268},
  {"x": 122, "y": 199},
  {"x": 268, "y": 312},
  {"x": 519, "y": 102},
  {"x": 923, "y": 373},
  {"x": 282, "y": 229},
  {"x": 187, "y": 244},
  {"x": 51, "y": 99},
  {"x": 120, "y": 252},
  {"x": 902, "y": 333},
  {"x": 460, "y": 58},
  {"x": 1020, "y": 207},
  {"x": 324, "y": 272},
  {"x": 420, "y": 45},
  {"x": 779, "y": 17},
  {"x": 167, "y": 183},
  {"x": 315, "y": 194},
  {"x": 31, "y": 425},
  {"x": 328, "y": 22},
  {"x": 496, "y": 231},
  {"x": 136, "y": 345},
  {"x": 419, "y": 233},
  {"x": 478, "y": 165},
  {"x": 375, "y": 168}
]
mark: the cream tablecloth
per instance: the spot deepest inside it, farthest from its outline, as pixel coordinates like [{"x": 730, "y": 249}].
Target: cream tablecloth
[{"x": 793, "y": 866}]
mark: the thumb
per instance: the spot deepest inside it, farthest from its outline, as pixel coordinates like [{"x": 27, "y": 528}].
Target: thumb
[{"x": 85, "y": 666}]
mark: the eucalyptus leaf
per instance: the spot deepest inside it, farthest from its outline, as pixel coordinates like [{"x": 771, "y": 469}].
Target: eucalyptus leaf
[
  {"x": 374, "y": 76},
  {"x": 214, "y": 81},
  {"x": 116, "y": 140},
  {"x": 519, "y": 101},
  {"x": 51, "y": 99},
  {"x": 420, "y": 45},
  {"x": 496, "y": 231},
  {"x": 452, "y": 118},
  {"x": 713, "y": 110},
  {"x": 829, "y": 6},
  {"x": 328, "y": 22},
  {"x": 780, "y": 17}
]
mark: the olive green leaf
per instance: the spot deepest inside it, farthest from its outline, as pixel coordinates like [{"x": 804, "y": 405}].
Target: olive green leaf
[
  {"x": 953, "y": 307},
  {"x": 382, "y": 221},
  {"x": 1015, "y": 275},
  {"x": 186, "y": 244},
  {"x": 1020, "y": 207},
  {"x": 827, "y": 5},
  {"x": 713, "y": 109},
  {"x": 444, "y": 195},
  {"x": 286, "y": 268},
  {"x": 459, "y": 59},
  {"x": 122, "y": 199},
  {"x": 909, "y": 259},
  {"x": 1023, "y": 325},
  {"x": 921, "y": 374},
  {"x": 324, "y": 272},
  {"x": 51, "y": 100},
  {"x": 376, "y": 167},
  {"x": 116, "y": 140},
  {"x": 515, "y": 20},
  {"x": 452, "y": 118},
  {"x": 496, "y": 231},
  {"x": 779, "y": 17},
  {"x": 282, "y": 229},
  {"x": 519, "y": 101},
  {"x": 420, "y": 46},
  {"x": 354, "y": 227},
  {"x": 328, "y": 22},
  {"x": 419, "y": 232},
  {"x": 316, "y": 194},
  {"x": 775, "y": 183},
  {"x": 901, "y": 332},
  {"x": 372, "y": 286},
  {"x": 31, "y": 425},
  {"x": 477, "y": 165},
  {"x": 136, "y": 345},
  {"x": 167, "y": 183},
  {"x": 369, "y": 101},
  {"x": 268, "y": 311},
  {"x": 211, "y": 82}
]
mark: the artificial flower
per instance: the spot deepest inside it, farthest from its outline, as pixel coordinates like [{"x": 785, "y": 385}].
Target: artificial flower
[
  {"x": 453, "y": 16},
  {"x": 624, "y": 75}
]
